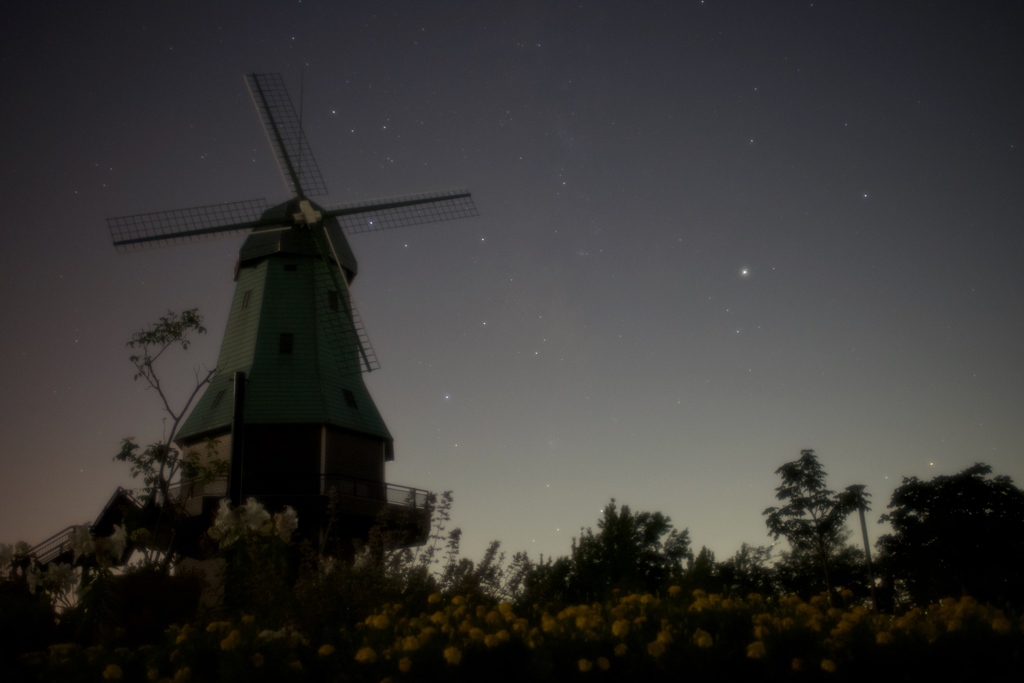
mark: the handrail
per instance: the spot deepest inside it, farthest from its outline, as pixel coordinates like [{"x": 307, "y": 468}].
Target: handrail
[
  {"x": 358, "y": 487},
  {"x": 47, "y": 551}
]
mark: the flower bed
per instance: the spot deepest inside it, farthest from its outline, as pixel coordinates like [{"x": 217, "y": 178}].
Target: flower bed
[{"x": 631, "y": 637}]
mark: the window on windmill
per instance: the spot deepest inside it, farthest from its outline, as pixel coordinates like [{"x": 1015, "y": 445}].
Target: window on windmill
[
  {"x": 286, "y": 343},
  {"x": 350, "y": 399},
  {"x": 332, "y": 299},
  {"x": 246, "y": 298}
]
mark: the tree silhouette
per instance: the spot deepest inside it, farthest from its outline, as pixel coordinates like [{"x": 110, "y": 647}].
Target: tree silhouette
[
  {"x": 959, "y": 534},
  {"x": 814, "y": 517},
  {"x": 631, "y": 552}
]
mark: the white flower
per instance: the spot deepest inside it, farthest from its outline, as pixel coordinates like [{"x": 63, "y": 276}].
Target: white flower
[
  {"x": 285, "y": 523},
  {"x": 118, "y": 540},
  {"x": 225, "y": 525},
  {"x": 33, "y": 576},
  {"x": 82, "y": 541},
  {"x": 254, "y": 517}
]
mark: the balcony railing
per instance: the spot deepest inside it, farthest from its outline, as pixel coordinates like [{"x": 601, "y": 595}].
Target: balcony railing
[{"x": 366, "y": 489}]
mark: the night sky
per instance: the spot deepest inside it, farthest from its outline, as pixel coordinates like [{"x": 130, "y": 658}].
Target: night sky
[{"x": 711, "y": 234}]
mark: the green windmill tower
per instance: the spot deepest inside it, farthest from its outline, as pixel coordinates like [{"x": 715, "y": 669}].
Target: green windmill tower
[{"x": 288, "y": 401}]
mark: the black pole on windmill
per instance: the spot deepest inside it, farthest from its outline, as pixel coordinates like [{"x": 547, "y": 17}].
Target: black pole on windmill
[{"x": 237, "y": 428}]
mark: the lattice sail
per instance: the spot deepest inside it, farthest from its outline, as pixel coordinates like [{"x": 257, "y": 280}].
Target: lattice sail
[
  {"x": 283, "y": 127},
  {"x": 399, "y": 212},
  {"x": 184, "y": 225}
]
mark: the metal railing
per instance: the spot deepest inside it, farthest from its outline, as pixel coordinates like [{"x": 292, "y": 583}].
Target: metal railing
[
  {"x": 356, "y": 487},
  {"x": 49, "y": 550}
]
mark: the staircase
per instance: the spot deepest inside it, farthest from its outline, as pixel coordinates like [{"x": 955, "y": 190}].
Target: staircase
[{"x": 58, "y": 548}]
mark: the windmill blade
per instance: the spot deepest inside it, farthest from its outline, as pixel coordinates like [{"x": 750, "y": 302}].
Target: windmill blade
[
  {"x": 399, "y": 212},
  {"x": 356, "y": 334},
  {"x": 346, "y": 329},
  {"x": 284, "y": 132},
  {"x": 186, "y": 225}
]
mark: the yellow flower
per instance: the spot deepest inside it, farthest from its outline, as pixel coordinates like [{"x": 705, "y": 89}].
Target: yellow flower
[
  {"x": 756, "y": 650},
  {"x": 828, "y": 665},
  {"x": 533, "y": 639},
  {"x": 434, "y": 598},
  {"x": 366, "y": 655},
  {"x": 458, "y": 600},
  {"x": 233, "y": 640},
  {"x": 404, "y": 664},
  {"x": 112, "y": 673},
  {"x": 656, "y": 648},
  {"x": 326, "y": 650},
  {"x": 476, "y": 634},
  {"x": 152, "y": 673},
  {"x": 295, "y": 664},
  {"x": 603, "y": 663},
  {"x": 797, "y": 664},
  {"x": 452, "y": 655},
  {"x": 491, "y": 640},
  {"x": 410, "y": 643},
  {"x": 703, "y": 639},
  {"x": 257, "y": 660},
  {"x": 585, "y": 665},
  {"x": 664, "y": 636},
  {"x": 379, "y": 621},
  {"x": 621, "y": 649},
  {"x": 673, "y": 591},
  {"x": 183, "y": 675},
  {"x": 883, "y": 637},
  {"x": 620, "y": 628},
  {"x": 1001, "y": 625},
  {"x": 248, "y": 619},
  {"x": 846, "y": 593},
  {"x": 186, "y": 631}
]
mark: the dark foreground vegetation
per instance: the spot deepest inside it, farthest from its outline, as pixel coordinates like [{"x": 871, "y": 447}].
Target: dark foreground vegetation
[{"x": 631, "y": 601}]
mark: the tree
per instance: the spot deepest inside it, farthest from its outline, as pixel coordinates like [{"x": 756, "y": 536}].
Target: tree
[
  {"x": 813, "y": 519},
  {"x": 160, "y": 464},
  {"x": 953, "y": 535},
  {"x": 748, "y": 571},
  {"x": 631, "y": 552}
]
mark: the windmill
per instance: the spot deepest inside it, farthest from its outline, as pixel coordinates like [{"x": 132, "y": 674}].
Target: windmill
[{"x": 288, "y": 401}]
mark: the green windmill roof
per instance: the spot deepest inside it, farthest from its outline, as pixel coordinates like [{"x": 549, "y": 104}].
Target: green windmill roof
[{"x": 310, "y": 377}]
